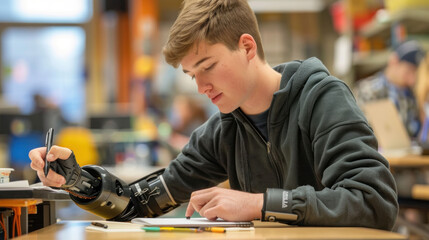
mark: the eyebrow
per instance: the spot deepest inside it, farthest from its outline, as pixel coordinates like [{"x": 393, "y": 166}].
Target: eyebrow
[{"x": 197, "y": 64}]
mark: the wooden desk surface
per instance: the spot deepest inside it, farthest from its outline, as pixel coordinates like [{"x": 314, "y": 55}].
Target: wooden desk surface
[
  {"x": 76, "y": 230},
  {"x": 409, "y": 161}
]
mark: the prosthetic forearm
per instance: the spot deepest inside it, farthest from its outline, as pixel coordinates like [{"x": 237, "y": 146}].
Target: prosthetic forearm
[{"x": 96, "y": 190}]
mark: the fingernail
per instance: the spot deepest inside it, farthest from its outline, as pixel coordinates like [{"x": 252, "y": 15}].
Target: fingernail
[{"x": 50, "y": 157}]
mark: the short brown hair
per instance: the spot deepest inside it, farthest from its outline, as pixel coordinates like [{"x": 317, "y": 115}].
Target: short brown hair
[{"x": 214, "y": 21}]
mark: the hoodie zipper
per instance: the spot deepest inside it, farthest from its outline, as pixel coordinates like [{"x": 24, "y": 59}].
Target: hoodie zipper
[
  {"x": 269, "y": 151},
  {"x": 268, "y": 145}
]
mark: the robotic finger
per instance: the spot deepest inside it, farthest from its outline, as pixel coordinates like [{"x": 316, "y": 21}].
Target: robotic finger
[{"x": 78, "y": 182}]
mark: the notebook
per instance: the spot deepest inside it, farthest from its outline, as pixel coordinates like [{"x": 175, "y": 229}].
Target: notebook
[
  {"x": 183, "y": 222},
  {"x": 393, "y": 138}
]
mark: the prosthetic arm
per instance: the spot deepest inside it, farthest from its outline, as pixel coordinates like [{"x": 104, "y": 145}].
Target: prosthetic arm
[{"x": 96, "y": 190}]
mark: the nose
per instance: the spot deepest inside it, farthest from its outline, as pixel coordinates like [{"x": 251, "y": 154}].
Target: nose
[{"x": 203, "y": 85}]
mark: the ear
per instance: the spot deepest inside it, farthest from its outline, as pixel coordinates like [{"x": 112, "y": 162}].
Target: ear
[{"x": 248, "y": 45}]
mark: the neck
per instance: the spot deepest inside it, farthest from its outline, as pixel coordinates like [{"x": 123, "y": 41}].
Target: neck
[{"x": 267, "y": 82}]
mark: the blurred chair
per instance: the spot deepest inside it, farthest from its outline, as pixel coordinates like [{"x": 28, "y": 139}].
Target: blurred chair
[{"x": 81, "y": 141}]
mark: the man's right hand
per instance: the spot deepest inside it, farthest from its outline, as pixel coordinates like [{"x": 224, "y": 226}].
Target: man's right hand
[{"x": 37, "y": 157}]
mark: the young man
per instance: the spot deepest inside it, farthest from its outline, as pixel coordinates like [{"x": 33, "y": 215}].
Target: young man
[
  {"x": 396, "y": 82},
  {"x": 291, "y": 140}
]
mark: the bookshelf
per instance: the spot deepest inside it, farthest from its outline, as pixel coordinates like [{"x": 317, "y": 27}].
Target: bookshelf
[
  {"x": 384, "y": 28},
  {"x": 414, "y": 20}
]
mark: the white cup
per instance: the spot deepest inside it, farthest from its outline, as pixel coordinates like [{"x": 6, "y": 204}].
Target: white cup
[{"x": 4, "y": 174}]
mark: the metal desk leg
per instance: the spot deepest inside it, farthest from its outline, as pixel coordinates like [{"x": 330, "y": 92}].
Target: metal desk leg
[
  {"x": 24, "y": 220},
  {"x": 49, "y": 214}
]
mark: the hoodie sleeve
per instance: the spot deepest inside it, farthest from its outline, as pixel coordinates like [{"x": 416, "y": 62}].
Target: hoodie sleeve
[
  {"x": 197, "y": 166},
  {"x": 357, "y": 186}
]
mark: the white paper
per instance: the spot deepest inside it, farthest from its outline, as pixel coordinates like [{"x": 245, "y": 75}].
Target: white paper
[
  {"x": 40, "y": 186},
  {"x": 183, "y": 222},
  {"x": 116, "y": 227},
  {"x": 239, "y": 229},
  {"x": 15, "y": 184}
]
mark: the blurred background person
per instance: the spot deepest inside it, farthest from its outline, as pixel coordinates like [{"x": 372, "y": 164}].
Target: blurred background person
[
  {"x": 396, "y": 82},
  {"x": 187, "y": 114}
]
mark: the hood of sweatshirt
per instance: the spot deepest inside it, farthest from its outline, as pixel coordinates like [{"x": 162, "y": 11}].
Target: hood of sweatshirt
[{"x": 296, "y": 76}]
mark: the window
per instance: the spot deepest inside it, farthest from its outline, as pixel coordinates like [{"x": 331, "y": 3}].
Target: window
[
  {"x": 46, "y": 11},
  {"x": 48, "y": 61},
  {"x": 43, "y": 51}
]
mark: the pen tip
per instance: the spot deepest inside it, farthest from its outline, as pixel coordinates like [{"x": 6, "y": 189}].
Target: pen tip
[{"x": 188, "y": 218}]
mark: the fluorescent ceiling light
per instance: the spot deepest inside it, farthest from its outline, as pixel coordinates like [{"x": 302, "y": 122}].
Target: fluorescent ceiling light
[{"x": 260, "y": 6}]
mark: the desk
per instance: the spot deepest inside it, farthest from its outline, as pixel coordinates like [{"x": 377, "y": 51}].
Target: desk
[
  {"x": 25, "y": 197},
  {"x": 418, "y": 191},
  {"x": 76, "y": 230},
  {"x": 419, "y": 194},
  {"x": 409, "y": 161}
]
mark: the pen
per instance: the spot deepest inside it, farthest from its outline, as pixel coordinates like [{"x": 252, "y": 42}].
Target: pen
[
  {"x": 97, "y": 224},
  {"x": 170, "y": 229},
  {"x": 48, "y": 144}
]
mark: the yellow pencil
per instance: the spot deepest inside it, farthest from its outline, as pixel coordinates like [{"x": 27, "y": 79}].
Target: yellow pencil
[{"x": 214, "y": 229}]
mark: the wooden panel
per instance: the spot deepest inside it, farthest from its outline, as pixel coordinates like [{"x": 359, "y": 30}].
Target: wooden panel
[{"x": 420, "y": 192}]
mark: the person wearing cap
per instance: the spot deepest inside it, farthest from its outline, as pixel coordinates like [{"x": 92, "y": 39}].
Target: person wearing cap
[{"x": 396, "y": 82}]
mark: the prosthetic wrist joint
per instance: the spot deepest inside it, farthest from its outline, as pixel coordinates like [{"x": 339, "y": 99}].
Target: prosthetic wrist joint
[
  {"x": 151, "y": 195},
  {"x": 277, "y": 206}
]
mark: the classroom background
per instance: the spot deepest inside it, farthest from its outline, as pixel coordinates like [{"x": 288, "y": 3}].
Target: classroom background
[{"x": 93, "y": 70}]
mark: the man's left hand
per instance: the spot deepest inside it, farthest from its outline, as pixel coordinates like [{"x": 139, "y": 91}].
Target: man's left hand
[{"x": 230, "y": 205}]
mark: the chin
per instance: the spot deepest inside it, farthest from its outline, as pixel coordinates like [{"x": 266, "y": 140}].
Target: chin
[{"x": 226, "y": 110}]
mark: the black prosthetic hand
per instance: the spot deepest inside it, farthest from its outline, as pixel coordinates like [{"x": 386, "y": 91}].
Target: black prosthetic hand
[
  {"x": 93, "y": 188},
  {"x": 79, "y": 182}
]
